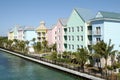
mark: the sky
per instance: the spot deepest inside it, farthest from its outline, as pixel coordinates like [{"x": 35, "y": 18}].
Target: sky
[{"x": 31, "y": 12}]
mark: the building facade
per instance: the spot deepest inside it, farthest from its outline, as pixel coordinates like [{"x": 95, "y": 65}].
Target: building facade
[
  {"x": 61, "y": 35},
  {"x": 41, "y": 32},
  {"x": 106, "y": 26},
  {"x": 77, "y": 29},
  {"x": 29, "y": 34},
  {"x": 52, "y": 35},
  {"x": 13, "y": 33},
  {"x": 22, "y": 33}
]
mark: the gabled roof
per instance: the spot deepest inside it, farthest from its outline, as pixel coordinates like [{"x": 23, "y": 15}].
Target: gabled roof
[
  {"x": 16, "y": 27},
  {"x": 85, "y": 14},
  {"x": 63, "y": 21},
  {"x": 21, "y": 28},
  {"x": 111, "y": 15}
]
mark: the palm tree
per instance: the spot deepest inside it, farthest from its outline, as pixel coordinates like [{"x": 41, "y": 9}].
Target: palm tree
[
  {"x": 37, "y": 47},
  {"x": 45, "y": 45},
  {"x": 82, "y": 56},
  {"x": 9, "y": 43},
  {"x": 97, "y": 57},
  {"x": 54, "y": 47},
  {"x": 21, "y": 46},
  {"x": 27, "y": 45},
  {"x": 104, "y": 50},
  {"x": 54, "y": 56},
  {"x": 33, "y": 40}
]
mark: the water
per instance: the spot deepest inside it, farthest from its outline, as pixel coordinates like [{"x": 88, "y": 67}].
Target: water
[{"x": 16, "y": 68}]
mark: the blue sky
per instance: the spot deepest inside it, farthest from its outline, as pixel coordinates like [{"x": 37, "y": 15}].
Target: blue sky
[{"x": 31, "y": 12}]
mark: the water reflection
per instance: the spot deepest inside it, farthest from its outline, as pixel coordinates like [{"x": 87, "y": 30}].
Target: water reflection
[{"x": 15, "y": 68}]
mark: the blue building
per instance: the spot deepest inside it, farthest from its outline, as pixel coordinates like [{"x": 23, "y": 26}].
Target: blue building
[
  {"x": 106, "y": 26},
  {"x": 29, "y": 34}
]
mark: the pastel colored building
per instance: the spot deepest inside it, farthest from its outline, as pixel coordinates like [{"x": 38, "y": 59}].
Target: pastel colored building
[
  {"x": 10, "y": 35},
  {"x": 41, "y": 32},
  {"x": 29, "y": 34},
  {"x": 49, "y": 37},
  {"x": 13, "y": 33},
  {"x": 61, "y": 35},
  {"x": 106, "y": 26},
  {"x": 21, "y": 33},
  {"x": 52, "y": 35},
  {"x": 77, "y": 29}
]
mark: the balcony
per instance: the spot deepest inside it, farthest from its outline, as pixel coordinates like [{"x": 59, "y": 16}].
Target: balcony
[
  {"x": 97, "y": 33},
  {"x": 89, "y": 32}
]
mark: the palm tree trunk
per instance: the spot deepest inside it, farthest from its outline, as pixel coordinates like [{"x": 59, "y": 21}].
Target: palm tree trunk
[{"x": 106, "y": 66}]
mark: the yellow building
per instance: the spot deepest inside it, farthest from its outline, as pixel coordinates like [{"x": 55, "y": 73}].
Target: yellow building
[
  {"x": 41, "y": 32},
  {"x": 10, "y": 35}
]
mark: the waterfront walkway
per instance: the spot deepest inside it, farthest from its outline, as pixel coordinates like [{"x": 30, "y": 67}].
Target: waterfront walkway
[{"x": 56, "y": 66}]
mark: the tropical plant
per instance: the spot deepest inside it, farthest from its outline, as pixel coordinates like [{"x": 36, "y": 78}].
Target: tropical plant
[
  {"x": 104, "y": 50},
  {"x": 54, "y": 56},
  {"x": 82, "y": 56},
  {"x": 54, "y": 47},
  {"x": 45, "y": 45},
  {"x": 37, "y": 47}
]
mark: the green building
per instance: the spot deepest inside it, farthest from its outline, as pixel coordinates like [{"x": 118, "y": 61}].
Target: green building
[{"x": 77, "y": 36}]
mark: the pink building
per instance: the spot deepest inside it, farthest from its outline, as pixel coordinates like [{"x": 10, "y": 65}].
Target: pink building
[
  {"x": 21, "y": 33},
  {"x": 61, "y": 35},
  {"x": 58, "y": 35},
  {"x": 49, "y": 36},
  {"x": 52, "y": 35}
]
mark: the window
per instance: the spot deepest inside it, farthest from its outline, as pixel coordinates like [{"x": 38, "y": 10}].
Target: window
[
  {"x": 72, "y": 38},
  {"x": 72, "y": 46},
  {"x": 81, "y": 46},
  {"x": 72, "y": 29},
  {"x": 69, "y": 29},
  {"x": 55, "y": 32},
  {"x": 81, "y": 28},
  {"x": 77, "y": 28},
  {"x": 98, "y": 30},
  {"x": 77, "y": 38},
  {"x": 78, "y": 46},
  {"x": 98, "y": 39},
  {"x": 69, "y": 46},
  {"x": 39, "y": 33},
  {"x": 81, "y": 38},
  {"x": 59, "y": 30},
  {"x": 55, "y": 38},
  {"x": 69, "y": 38},
  {"x": 59, "y": 37}
]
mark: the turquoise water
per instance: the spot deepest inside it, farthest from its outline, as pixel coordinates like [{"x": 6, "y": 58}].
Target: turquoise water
[{"x": 16, "y": 68}]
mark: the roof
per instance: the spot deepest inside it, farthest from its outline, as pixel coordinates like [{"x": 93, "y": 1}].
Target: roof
[
  {"x": 16, "y": 27},
  {"x": 29, "y": 28},
  {"x": 112, "y": 15},
  {"x": 21, "y": 28},
  {"x": 63, "y": 21},
  {"x": 41, "y": 26},
  {"x": 85, "y": 14}
]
